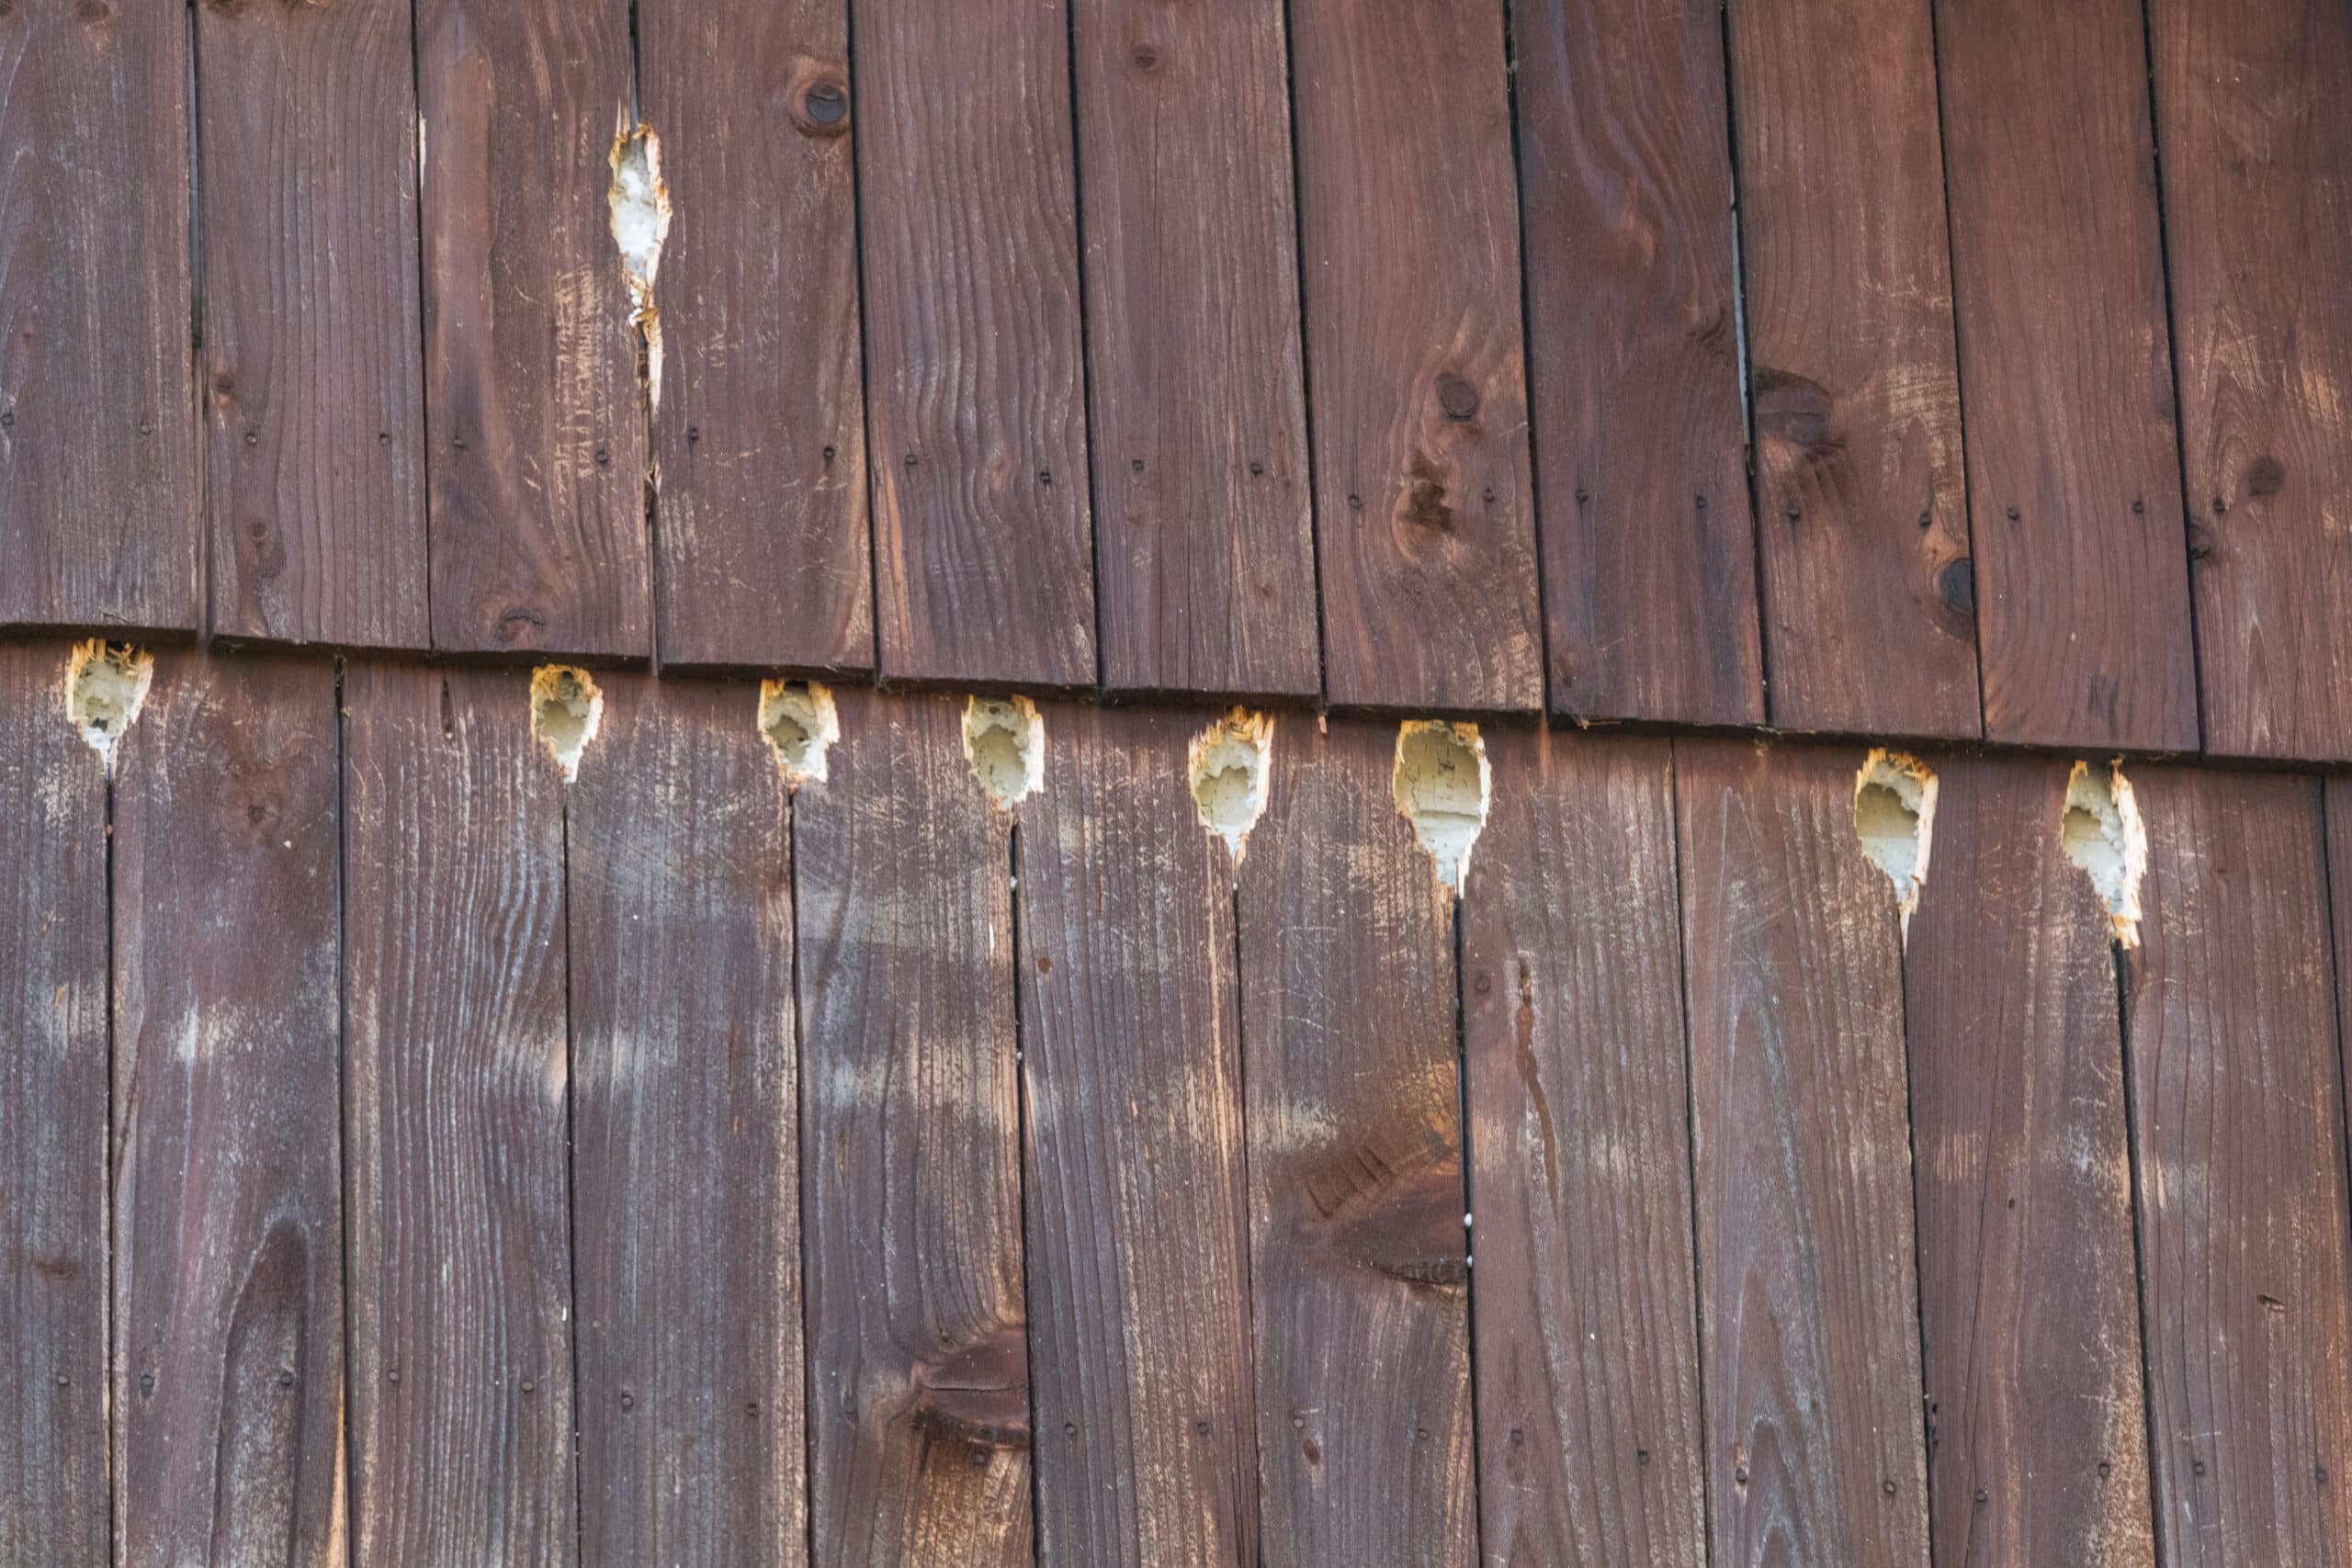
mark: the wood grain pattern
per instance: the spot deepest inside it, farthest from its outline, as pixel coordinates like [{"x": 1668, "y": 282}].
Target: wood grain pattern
[
  {"x": 309, "y": 375},
  {"x": 2237, "y": 1112},
  {"x": 2038, "y": 1448},
  {"x": 537, "y": 461},
  {"x": 1869, "y": 602},
  {"x": 1409, "y": 224},
  {"x": 759, "y": 439},
  {"x": 98, "y": 445},
  {"x": 1138, "y": 1265},
  {"x": 975, "y": 406},
  {"x": 2258, "y": 184},
  {"x": 1801, "y": 1144},
  {"x": 458, "y": 1205},
  {"x": 1358, "y": 1277},
  {"x": 1205, "y": 539},
  {"x": 228, "y": 1206},
  {"x": 2081, "y": 576},
  {"x": 1649, "y": 546},
  {"x": 911, "y": 1113},
  {"x": 53, "y": 1123},
  {"x": 1589, "y": 1439},
  {"x": 686, "y": 1211}
]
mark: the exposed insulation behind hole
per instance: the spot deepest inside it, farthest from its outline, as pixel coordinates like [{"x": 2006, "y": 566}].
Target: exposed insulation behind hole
[
  {"x": 801, "y": 725},
  {"x": 106, "y": 685},
  {"x": 1004, "y": 740},
  {"x": 640, "y": 199},
  {"x": 1894, "y": 817},
  {"x": 2101, "y": 832},
  {"x": 1227, "y": 768},
  {"x": 566, "y": 708},
  {"x": 1443, "y": 782}
]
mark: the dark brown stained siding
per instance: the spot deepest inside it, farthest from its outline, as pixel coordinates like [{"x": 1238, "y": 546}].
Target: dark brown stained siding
[
  {"x": 2237, "y": 1113},
  {"x": 310, "y": 377},
  {"x": 759, "y": 438},
  {"x": 1204, "y": 542},
  {"x": 1625, "y": 195},
  {"x": 1869, "y": 602},
  {"x": 2032, "y": 1321},
  {"x": 1416, "y": 355},
  {"x": 98, "y": 520},
  {"x": 228, "y": 1183},
  {"x": 685, "y": 1201},
  {"x": 910, "y": 1113},
  {"x": 1354, "y": 1115},
  {"x": 537, "y": 461},
  {"x": 1580, "y": 1162},
  {"x": 455, "y": 1089},
  {"x": 54, "y": 1468},
  {"x": 976, "y": 389},
  {"x": 2081, "y": 575},
  {"x": 1138, "y": 1262},
  {"x": 1810, "y": 1329},
  {"x": 2258, "y": 181}
]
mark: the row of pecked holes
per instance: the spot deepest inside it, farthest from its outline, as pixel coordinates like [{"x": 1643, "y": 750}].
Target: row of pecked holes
[{"x": 1441, "y": 780}]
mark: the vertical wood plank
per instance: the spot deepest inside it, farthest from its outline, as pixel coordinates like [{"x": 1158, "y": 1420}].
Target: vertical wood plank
[
  {"x": 312, "y": 380},
  {"x": 2082, "y": 578},
  {"x": 537, "y": 462},
  {"x": 1869, "y": 598},
  {"x": 53, "y": 1123},
  {"x": 1649, "y": 546},
  {"x": 459, "y": 1274},
  {"x": 1138, "y": 1264},
  {"x": 228, "y": 1212},
  {"x": 982, "y": 540},
  {"x": 1205, "y": 544},
  {"x": 2238, "y": 1115},
  {"x": 2258, "y": 184},
  {"x": 1589, "y": 1421},
  {"x": 1800, "y": 1137},
  {"x": 1360, "y": 1286},
  {"x": 918, "y": 1348},
  {"x": 759, "y": 437},
  {"x": 97, "y": 444},
  {"x": 1408, "y": 220},
  {"x": 685, "y": 1191},
  {"x": 2027, "y": 1285}
]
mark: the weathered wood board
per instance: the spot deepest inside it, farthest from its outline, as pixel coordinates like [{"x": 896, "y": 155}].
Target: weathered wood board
[
  {"x": 685, "y": 1191},
  {"x": 99, "y": 524},
  {"x": 2238, "y": 1111},
  {"x": 534, "y": 408},
  {"x": 55, "y": 1470},
  {"x": 311, "y": 377},
  {"x": 1633, "y": 361},
  {"x": 1580, "y": 1162},
  {"x": 762, "y": 557},
  {"x": 228, "y": 1180},
  {"x": 975, "y": 378},
  {"x": 456, "y": 1091},
  {"x": 1204, "y": 541},
  {"x": 910, "y": 1113},
  {"x": 1415, "y": 356},
  {"x": 1134, "y": 1187},
  {"x": 1869, "y": 598},
  {"x": 1801, "y": 1144},
  {"x": 1358, "y": 1273},
  {"x": 2038, "y": 1448}
]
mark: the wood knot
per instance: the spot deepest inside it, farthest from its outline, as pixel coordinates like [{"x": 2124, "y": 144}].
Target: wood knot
[
  {"x": 1956, "y": 584},
  {"x": 1457, "y": 398},
  {"x": 2266, "y": 476},
  {"x": 1794, "y": 409}
]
